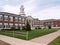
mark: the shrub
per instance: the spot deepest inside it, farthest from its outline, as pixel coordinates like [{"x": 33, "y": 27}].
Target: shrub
[
  {"x": 49, "y": 26},
  {"x": 39, "y": 27},
  {"x": 36, "y": 28},
  {"x": 23, "y": 28},
  {"x": 13, "y": 27},
  {"x": 28, "y": 27}
]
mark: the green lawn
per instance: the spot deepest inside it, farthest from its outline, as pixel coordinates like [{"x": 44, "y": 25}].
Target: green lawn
[
  {"x": 32, "y": 34},
  {"x": 56, "y": 41}
]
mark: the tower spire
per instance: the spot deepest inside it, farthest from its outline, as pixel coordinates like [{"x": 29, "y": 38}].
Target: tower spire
[{"x": 22, "y": 10}]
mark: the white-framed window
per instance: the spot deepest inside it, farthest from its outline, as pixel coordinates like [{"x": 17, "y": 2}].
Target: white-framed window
[
  {"x": 23, "y": 24},
  {"x": 16, "y": 19},
  {"x": 0, "y": 25},
  {"x": 11, "y": 18},
  {"x": 0, "y": 17},
  {"x": 6, "y": 25},
  {"x": 19, "y": 24},
  {"x": 23, "y": 19},
  {"x": 5, "y": 18},
  {"x": 56, "y": 25},
  {"x": 11, "y": 25},
  {"x": 16, "y": 26},
  {"x": 19, "y": 19}
]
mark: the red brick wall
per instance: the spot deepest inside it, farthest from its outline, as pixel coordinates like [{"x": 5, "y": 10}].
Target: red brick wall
[
  {"x": 54, "y": 23},
  {"x": 10, "y": 21}
]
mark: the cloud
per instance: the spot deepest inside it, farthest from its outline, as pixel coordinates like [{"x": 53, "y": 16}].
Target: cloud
[
  {"x": 6, "y": 0},
  {"x": 48, "y": 13},
  {"x": 42, "y": 9},
  {"x": 29, "y": 6},
  {"x": 11, "y": 9}
]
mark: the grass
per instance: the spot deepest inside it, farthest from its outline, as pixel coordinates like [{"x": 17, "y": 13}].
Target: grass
[
  {"x": 56, "y": 41},
  {"x": 32, "y": 34}
]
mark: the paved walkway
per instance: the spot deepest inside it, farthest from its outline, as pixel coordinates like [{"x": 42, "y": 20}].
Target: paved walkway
[
  {"x": 44, "y": 40},
  {"x": 15, "y": 41},
  {"x": 47, "y": 38}
]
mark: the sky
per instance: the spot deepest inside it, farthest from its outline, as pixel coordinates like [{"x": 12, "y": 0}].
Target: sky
[{"x": 41, "y": 9}]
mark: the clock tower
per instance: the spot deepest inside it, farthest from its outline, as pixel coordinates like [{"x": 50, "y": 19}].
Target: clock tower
[{"x": 22, "y": 11}]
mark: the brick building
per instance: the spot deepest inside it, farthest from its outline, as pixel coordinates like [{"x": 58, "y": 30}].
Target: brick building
[
  {"x": 8, "y": 20},
  {"x": 52, "y": 22}
]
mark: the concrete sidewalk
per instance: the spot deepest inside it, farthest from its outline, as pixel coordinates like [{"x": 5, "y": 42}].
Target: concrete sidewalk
[
  {"x": 15, "y": 41},
  {"x": 47, "y": 38},
  {"x": 43, "y": 40}
]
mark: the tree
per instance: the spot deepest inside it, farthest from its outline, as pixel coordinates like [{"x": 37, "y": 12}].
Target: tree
[
  {"x": 49, "y": 26},
  {"x": 23, "y": 28},
  {"x": 28, "y": 27}
]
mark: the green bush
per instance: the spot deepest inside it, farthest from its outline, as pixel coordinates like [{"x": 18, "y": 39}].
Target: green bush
[
  {"x": 28, "y": 27},
  {"x": 49, "y": 27},
  {"x": 37, "y": 28},
  {"x": 13, "y": 27},
  {"x": 23, "y": 28}
]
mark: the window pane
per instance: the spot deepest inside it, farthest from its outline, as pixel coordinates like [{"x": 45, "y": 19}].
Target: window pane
[
  {"x": 19, "y": 19},
  {"x": 11, "y": 25},
  {"x": 22, "y": 19},
  {"x": 0, "y": 25},
  {"x": 11, "y": 18},
  {"x": 6, "y": 25},
  {"x": 0, "y": 17},
  {"x": 5, "y": 18},
  {"x": 16, "y": 19}
]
